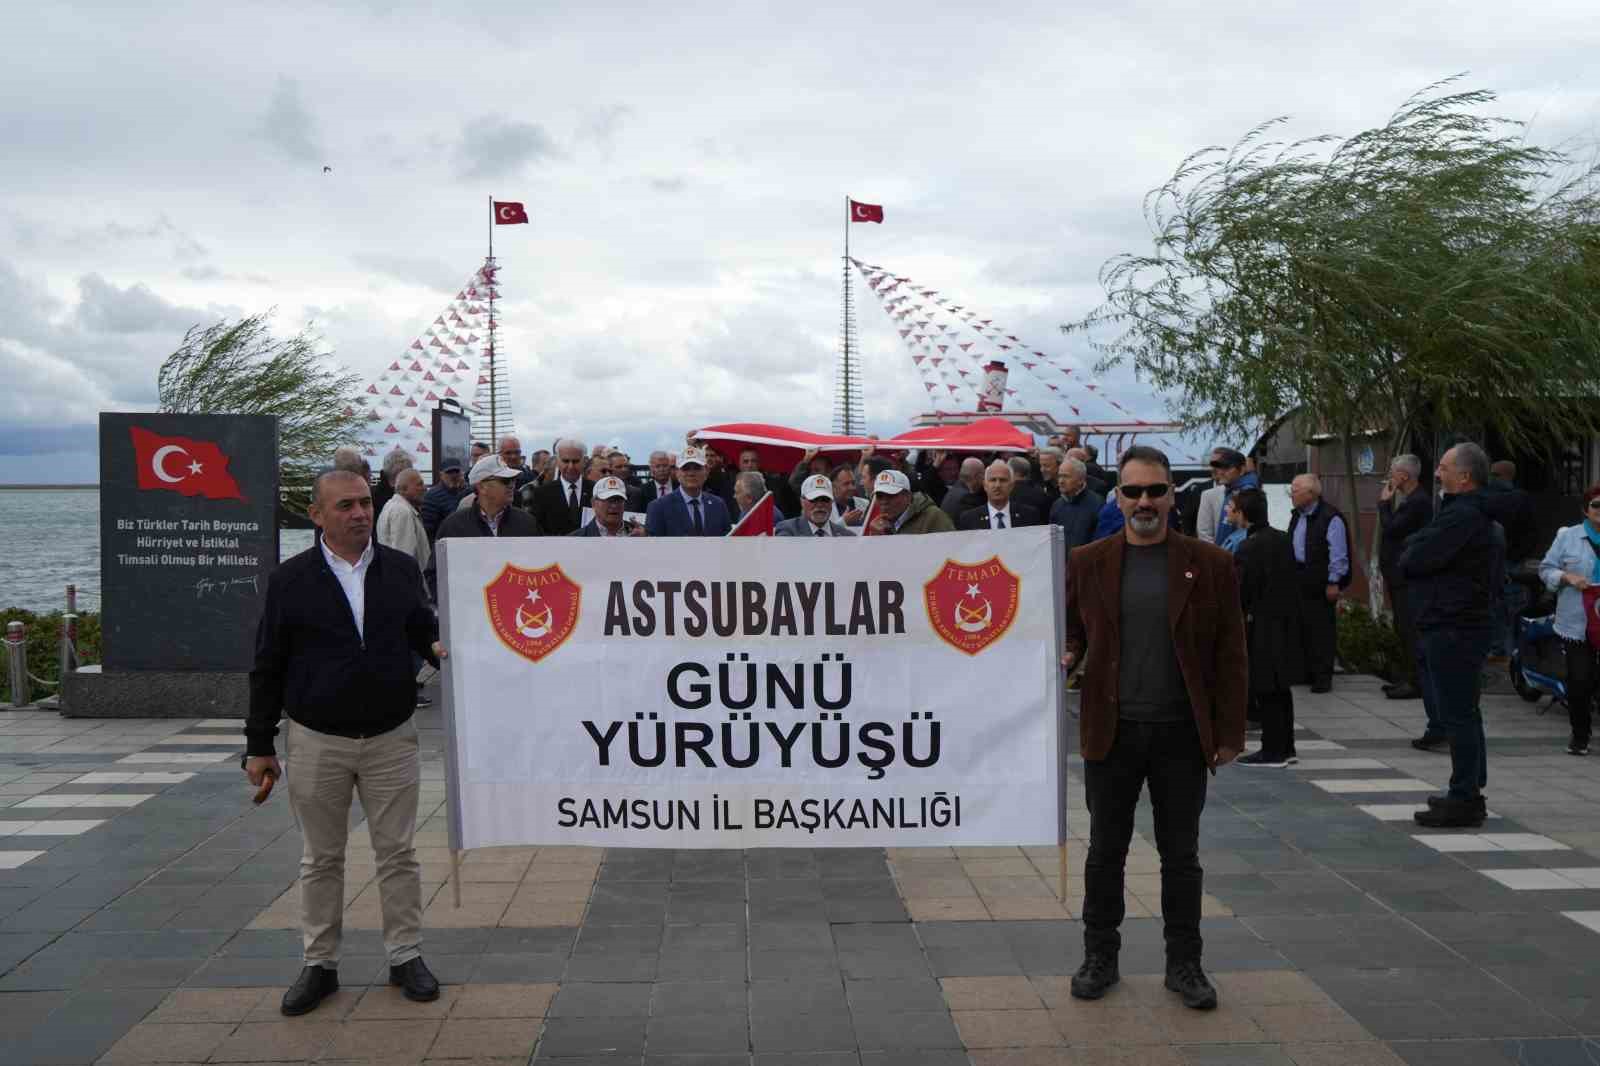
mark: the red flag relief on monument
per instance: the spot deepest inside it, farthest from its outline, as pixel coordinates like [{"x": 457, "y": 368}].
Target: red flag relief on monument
[
  {"x": 860, "y": 212},
  {"x": 509, "y": 213},
  {"x": 759, "y": 521},
  {"x": 178, "y": 464}
]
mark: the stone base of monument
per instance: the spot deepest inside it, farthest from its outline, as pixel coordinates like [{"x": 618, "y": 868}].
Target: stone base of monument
[{"x": 92, "y": 693}]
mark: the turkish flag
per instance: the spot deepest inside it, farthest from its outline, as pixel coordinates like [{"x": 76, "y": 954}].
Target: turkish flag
[
  {"x": 865, "y": 212},
  {"x": 508, "y": 213},
  {"x": 759, "y": 521},
  {"x": 187, "y": 467},
  {"x": 871, "y": 515}
]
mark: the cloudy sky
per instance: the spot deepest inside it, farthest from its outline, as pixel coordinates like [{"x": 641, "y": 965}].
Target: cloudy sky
[{"x": 685, "y": 167}]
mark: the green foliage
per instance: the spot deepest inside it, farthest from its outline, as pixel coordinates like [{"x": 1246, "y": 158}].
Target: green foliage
[
  {"x": 44, "y": 643},
  {"x": 1368, "y": 643},
  {"x": 1437, "y": 266},
  {"x": 241, "y": 368}
]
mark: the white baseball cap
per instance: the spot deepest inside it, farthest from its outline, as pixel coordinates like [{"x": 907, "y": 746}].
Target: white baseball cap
[
  {"x": 489, "y": 466},
  {"x": 609, "y": 488},
  {"x": 817, "y": 487},
  {"x": 693, "y": 457},
  {"x": 891, "y": 482}
]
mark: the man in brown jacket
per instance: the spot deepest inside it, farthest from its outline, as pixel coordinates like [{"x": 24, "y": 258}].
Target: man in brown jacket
[{"x": 1163, "y": 703}]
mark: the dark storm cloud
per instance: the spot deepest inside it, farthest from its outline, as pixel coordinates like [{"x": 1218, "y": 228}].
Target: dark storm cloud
[
  {"x": 494, "y": 147},
  {"x": 105, "y": 308},
  {"x": 290, "y": 127}
]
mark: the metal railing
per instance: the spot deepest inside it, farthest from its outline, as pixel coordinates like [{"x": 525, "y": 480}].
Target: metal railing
[{"x": 67, "y": 656}]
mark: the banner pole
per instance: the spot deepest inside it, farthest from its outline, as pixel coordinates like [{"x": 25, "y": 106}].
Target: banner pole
[
  {"x": 1063, "y": 892},
  {"x": 455, "y": 872}
]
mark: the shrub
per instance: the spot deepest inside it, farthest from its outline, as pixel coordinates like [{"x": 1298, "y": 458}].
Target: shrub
[
  {"x": 1368, "y": 643},
  {"x": 44, "y": 642}
]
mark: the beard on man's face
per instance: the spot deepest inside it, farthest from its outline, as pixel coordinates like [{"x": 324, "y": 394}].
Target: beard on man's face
[{"x": 1145, "y": 521}]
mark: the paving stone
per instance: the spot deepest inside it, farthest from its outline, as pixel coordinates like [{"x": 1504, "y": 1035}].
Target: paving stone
[
  {"x": 686, "y": 1034},
  {"x": 567, "y": 1037},
  {"x": 578, "y": 999},
  {"x": 673, "y": 998}
]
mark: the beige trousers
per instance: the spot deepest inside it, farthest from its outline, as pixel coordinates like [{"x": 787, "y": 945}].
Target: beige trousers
[{"x": 323, "y": 771}]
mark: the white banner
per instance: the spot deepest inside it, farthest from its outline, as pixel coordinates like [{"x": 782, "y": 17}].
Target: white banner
[{"x": 754, "y": 692}]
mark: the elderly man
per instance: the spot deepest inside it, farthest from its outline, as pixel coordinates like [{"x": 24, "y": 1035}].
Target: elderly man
[
  {"x": 1154, "y": 617},
  {"x": 339, "y": 626},
  {"x": 1453, "y": 567},
  {"x": 489, "y": 514},
  {"x": 999, "y": 511},
  {"x": 657, "y": 485},
  {"x": 399, "y": 525},
  {"x": 748, "y": 488},
  {"x": 1099, "y": 486},
  {"x": 397, "y": 460},
  {"x": 1403, "y": 508},
  {"x": 1025, "y": 490},
  {"x": 1050, "y": 459},
  {"x": 610, "y": 502},
  {"x": 691, "y": 511},
  {"x": 967, "y": 492},
  {"x": 349, "y": 459},
  {"x": 477, "y": 451},
  {"x": 443, "y": 498},
  {"x": 511, "y": 455},
  {"x": 1077, "y": 507},
  {"x": 1323, "y": 549},
  {"x": 558, "y": 504},
  {"x": 816, "y": 512},
  {"x": 900, "y": 511}
]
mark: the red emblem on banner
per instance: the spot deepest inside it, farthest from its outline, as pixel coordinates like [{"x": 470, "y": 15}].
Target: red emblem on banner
[
  {"x": 972, "y": 605},
  {"x": 533, "y": 611}
]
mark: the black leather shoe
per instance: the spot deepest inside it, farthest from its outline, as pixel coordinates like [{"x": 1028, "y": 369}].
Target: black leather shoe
[
  {"x": 1095, "y": 977},
  {"x": 1451, "y": 814},
  {"x": 1188, "y": 980},
  {"x": 315, "y": 984},
  {"x": 1434, "y": 744},
  {"x": 415, "y": 980},
  {"x": 1439, "y": 801},
  {"x": 1319, "y": 687},
  {"x": 1403, "y": 692}
]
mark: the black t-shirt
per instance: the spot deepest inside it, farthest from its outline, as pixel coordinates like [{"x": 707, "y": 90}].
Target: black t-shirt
[{"x": 1149, "y": 678}]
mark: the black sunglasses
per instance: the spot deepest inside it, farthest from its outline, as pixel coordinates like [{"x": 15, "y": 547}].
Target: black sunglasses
[
  {"x": 1592, "y": 504},
  {"x": 1155, "y": 491}
]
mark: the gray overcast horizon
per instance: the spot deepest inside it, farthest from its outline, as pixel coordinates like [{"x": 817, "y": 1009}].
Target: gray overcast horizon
[{"x": 684, "y": 167}]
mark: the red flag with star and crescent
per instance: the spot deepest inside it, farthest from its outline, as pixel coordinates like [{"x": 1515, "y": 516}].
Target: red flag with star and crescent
[
  {"x": 860, "y": 212},
  {"x": 182, "y": 465},
  {"x": 509, "y": 213}
]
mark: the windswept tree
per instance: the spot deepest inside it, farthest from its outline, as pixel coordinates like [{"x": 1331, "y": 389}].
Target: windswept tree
[
  {"x": 241, "y": 368},
  {"x": 1436, "y": 270}
]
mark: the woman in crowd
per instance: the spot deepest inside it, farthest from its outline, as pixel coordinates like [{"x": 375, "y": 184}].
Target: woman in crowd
[{"x": 1571, "y": 566}]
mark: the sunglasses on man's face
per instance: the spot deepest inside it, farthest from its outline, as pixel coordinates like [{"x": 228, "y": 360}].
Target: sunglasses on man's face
[
  {"x": 1155, "y": 491},
  {"x": 1593, "y": 505}
]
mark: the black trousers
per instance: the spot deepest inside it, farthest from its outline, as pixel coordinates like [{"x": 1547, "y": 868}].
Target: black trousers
[
  {"x": 1166, "y": 756},
  {"x": 1317, "y": 633},
  {"x": 1277, "y": 721},
  {"x": 1583, "y": 674},
  {"x": 1405, "y": 624}
]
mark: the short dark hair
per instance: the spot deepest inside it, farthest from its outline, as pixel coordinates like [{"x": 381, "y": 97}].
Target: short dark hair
[
  {"x": 1143, "y": 453},
  {"x": 480, "y": 444},
  {"x": 877, "y": 464},
  {"x": 1252, "y": 503},
  {"x": 833, "y": 475},
  {"x": 1230, "y": 456}
]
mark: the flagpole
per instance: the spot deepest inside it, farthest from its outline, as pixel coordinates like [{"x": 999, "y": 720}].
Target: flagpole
[{"x": 494, "y": 400}]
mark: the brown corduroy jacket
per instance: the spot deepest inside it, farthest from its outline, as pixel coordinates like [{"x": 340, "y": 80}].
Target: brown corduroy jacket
[{"x": 1207, "y": 629}]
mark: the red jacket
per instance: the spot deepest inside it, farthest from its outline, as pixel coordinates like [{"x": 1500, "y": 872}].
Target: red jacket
[{"x": 1207, "y": 629}]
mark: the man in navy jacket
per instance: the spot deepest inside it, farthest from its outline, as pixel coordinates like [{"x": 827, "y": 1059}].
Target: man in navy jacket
[
  {"x": 334, "y": 651},
  {"x": 690, "y": 511}
]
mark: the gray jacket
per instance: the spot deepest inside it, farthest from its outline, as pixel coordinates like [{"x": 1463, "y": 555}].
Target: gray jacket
[{"x": 801, "y": 527}]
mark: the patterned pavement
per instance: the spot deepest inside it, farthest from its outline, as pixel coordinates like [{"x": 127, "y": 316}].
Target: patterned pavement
[{"x": 146, "y": 915}]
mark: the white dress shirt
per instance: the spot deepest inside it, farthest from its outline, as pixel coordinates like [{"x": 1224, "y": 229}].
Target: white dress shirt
[
  {"x": 353, "y": 579},
  {"x": 1004, "y": 511},
  {"x": 824, "y": 530}
]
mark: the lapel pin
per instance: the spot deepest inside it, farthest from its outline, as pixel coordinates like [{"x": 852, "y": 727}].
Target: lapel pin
[{"x": 1189, "y": 574}]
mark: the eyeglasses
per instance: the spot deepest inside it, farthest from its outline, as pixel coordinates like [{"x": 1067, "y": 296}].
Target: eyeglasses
[
  {"x": 1155, "y": 491},
  {"x": 1593, "y": 504}
]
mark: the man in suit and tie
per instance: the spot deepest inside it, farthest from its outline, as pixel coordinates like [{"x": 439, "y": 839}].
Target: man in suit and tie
[
  {"x": 998, "y": 511},
  {"x": 657, "y": 485},
  {"x": 610, "y": 501},
  {"x": 690, "y": 511},
  {"x": 816, "y": 518},
  {"x": 558, "y": 504}
]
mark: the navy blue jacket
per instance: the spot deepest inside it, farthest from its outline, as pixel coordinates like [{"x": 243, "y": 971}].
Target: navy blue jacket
[
  {"x": 1077, "y": 517},
  {"x": 669, "y": 516},
  {"x": 314, "y": 666},
  {"x": 1455, "y": 564}
]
